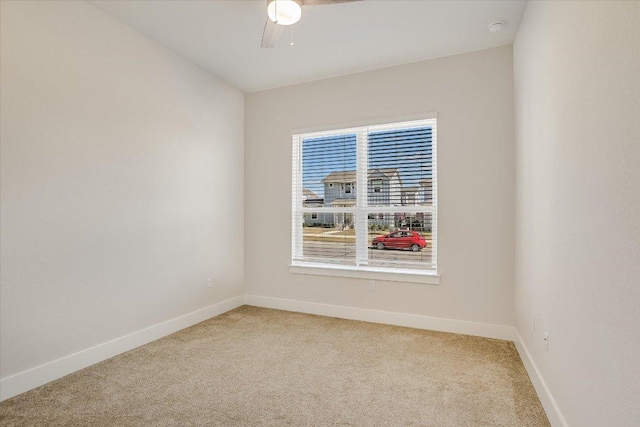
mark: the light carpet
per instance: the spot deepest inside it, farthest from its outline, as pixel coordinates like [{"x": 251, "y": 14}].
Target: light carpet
[{"x": 260, "y": 367}]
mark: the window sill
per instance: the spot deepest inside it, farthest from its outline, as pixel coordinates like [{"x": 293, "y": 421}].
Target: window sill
[{"x": 371, "y": 273}]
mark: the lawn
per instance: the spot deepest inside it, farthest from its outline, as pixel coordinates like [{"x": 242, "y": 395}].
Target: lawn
[{"x": 315, "y": 230}]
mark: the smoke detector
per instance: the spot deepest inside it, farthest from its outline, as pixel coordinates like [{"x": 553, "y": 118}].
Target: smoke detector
[{"x": 495, "y": 27}]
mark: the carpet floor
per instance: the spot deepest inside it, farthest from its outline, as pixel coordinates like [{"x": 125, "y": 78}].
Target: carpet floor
[{"x": 260, "y": 367}]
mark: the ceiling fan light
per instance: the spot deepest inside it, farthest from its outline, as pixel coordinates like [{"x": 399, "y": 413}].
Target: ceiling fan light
[{"x": 284, "y": 12}]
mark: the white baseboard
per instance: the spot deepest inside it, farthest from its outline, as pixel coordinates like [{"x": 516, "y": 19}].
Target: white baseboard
[
  {"x": 35, "y": 377},
  {"x": 548, "y": 402},
  {"x": 386, "y": 317},
  {"x": 40, "y": 375}
]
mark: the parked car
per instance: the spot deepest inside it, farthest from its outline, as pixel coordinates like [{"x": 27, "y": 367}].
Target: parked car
[{"x": 401, "y": 239}]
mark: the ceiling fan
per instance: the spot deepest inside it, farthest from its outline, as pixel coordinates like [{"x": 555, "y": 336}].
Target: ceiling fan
[{"x": 287, "y": 12}]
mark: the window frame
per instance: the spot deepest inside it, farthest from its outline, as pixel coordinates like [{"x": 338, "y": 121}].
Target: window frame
[{"x": 363, "y": 210}]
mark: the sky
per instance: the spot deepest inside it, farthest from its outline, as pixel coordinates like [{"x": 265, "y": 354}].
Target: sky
[{"x": 409, "y": 150}]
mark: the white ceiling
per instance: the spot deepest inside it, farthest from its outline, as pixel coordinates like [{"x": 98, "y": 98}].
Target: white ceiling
[{"x": 224, "y": 36}]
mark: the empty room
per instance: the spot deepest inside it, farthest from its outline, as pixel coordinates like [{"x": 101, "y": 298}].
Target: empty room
[{"x": 320, "y": 213}]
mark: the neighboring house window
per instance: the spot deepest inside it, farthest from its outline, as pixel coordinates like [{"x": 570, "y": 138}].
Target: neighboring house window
[
  {"x": 377, "y": 185},
  {"x": 381, "y": 233}
]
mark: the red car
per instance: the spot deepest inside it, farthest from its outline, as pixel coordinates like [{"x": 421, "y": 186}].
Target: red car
[{"x": 401, "y": 239}]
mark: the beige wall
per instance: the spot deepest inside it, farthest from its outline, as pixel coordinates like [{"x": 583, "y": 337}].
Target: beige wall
[
  {"x": 473, "y": 96},
  {"x": 577, "y": 84},
  {"x": 121, "y": 164}
]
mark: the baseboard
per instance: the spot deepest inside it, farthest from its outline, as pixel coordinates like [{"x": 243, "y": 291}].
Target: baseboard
[
  {"x": 40, "y": 375},
  {"x": 35, "y": 377},
  {"x": 548, "y": 402},
  {"x": 487, "y": 330}
]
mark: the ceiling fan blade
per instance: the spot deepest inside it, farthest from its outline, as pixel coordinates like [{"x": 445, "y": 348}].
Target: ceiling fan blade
[
  {"x": 323, "y": 2},
  {"x": 271, "y": 33}
]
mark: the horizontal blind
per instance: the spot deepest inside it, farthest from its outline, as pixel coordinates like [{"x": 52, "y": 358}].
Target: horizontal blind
[
  {"x": 395, "y": 165},
  {"x": 328, "y": 182},
  {"x": 400, "y": 166}
]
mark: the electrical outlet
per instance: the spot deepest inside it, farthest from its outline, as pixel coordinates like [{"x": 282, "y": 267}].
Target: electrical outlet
[
  {"x": 372, "y": 285},
  {"x": 533, "y": 323},
  {"x": 208, "y": 282},
  {"x": 546, "y": 341}
]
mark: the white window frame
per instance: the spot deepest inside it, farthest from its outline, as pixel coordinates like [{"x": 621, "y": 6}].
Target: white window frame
[{"x": 360, "y": 213}]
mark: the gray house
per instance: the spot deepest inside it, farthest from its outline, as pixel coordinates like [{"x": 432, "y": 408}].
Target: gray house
[
  {"x": 384, "y": 189},
  {"x": 319, "y": 219},
  {"x": 340, "y": 191}
]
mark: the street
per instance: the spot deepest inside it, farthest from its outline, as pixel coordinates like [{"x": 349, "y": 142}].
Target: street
[{"x": 347, "y": 251}]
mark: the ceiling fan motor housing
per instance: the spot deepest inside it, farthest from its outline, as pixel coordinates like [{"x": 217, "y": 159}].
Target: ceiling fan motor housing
[
  {"x": 284, "y": 12},
  {"x": 287, "y": 12}
]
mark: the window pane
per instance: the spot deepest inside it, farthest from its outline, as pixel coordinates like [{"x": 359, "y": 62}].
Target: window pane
[
  {"x": 329, "y": 237},
  {"x": 329, "y": 171},
  {"x": 401, "y": 240},
  {"x": 400, "y": 167}
]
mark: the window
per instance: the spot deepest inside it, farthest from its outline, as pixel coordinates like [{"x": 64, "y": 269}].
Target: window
[{"x": 382, "y": 216}]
